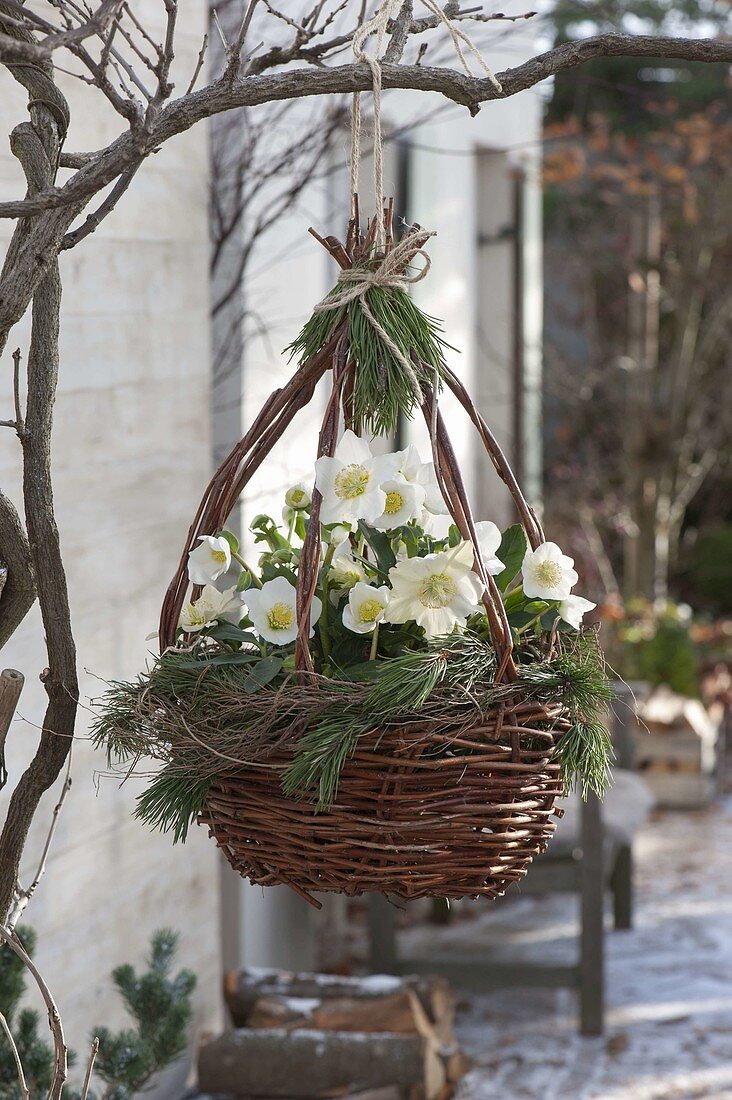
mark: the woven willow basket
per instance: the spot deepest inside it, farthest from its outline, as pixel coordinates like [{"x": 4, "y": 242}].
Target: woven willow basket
[{"x": 411, "y": 819}]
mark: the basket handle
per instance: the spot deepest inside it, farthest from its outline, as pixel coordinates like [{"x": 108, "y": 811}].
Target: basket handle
[
  {"x": 237, "y": 469},
  {"x": 279, "y": 410}
]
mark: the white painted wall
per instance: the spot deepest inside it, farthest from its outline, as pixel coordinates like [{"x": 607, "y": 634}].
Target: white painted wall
[{"x": 132, "y": 453}]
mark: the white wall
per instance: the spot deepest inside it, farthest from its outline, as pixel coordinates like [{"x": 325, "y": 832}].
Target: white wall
[
  {"x": 132, "y": 453},
  {"x": 462, "y": 187}
]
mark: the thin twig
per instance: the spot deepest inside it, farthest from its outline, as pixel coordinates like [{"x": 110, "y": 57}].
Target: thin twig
[
  {"x": 220, "y": 29},
  {"x": 199, "y": 65},
  {"x": 90, "y": 1068},
  {"x": 24, "y": 1090},
  {"x": 234, "y": 53},
  {"x": 19, "y": 419},
  {"x": 93, "y": 220},
  {"x": 24, "y": 895}
]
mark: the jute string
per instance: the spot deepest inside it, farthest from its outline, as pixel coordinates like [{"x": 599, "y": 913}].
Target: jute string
[
  {"x": 391, "y": 270},
  {"x": 354, "y": 282},
  {"x": 378, "y": 26}
]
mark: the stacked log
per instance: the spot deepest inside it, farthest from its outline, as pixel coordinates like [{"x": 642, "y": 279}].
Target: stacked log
[{"x": 298, "y": 1036}]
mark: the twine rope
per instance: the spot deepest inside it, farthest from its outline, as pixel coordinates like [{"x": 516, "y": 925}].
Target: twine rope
[
  {"x": 355, "y": 282},
  {"x": 378, "y": 26},
  {"x": 390, "y": 272}
]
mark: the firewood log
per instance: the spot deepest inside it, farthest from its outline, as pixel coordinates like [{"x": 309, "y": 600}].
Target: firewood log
[{"x": 276, "y": 1063}]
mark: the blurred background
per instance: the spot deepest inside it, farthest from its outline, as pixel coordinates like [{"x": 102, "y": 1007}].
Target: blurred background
[{"x": 581, "y": 268}]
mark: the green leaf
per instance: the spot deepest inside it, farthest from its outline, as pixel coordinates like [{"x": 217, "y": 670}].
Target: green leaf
[
  {"x": 231, "y": 539},
  {"x": 230, "y": 658},
  {"x": 266, "y": 530},
  {"x": 263, "y": 673},
  {"x": 380, "y": 546},
  {"x": 271, "y": 569},
  {"x": 410, "y": 536},
  {"x": 228, "y": 632},
  {"x": 511, "y": 552},
  {"x": 454, "y": 536},
  {"x": 245, "y": 581},
  {"x": 515, "y": 600}
]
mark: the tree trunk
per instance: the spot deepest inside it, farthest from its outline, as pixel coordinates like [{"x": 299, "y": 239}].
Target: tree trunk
[{"x": 37, "y": 147}]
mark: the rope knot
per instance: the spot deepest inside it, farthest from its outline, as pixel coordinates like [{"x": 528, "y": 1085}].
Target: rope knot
[{"x": 390, "y": 271}]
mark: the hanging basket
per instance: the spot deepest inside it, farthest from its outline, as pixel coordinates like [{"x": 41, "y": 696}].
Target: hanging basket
[
  {"x": 409, "y": 820},
  {"x": 451, "y": 798}
]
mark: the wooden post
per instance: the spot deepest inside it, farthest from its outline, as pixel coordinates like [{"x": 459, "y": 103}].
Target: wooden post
[
  {"x": 383, "y": 951},
  {"x": 592, "y": 946},
  {"x": 11, "y": 685}
]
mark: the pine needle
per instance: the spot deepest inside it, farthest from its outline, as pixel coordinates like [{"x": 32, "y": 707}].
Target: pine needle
[
  {"x": 172, "y": 803},
  {"x": 400, "y": 686},
  {"x": 382, "y": 391},
  {"x": 199, "y": 723},
  {"x": 579, "y": 678}
]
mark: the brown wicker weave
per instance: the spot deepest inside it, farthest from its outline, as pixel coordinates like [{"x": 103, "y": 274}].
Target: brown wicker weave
[{"x": 427, "y": 813}]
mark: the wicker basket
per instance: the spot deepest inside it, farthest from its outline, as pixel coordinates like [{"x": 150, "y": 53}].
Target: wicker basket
[
  {"x": 406, "y": 823},
  {"x": 420, "y": 811}
]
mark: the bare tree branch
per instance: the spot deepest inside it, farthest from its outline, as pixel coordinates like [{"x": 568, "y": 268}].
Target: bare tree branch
[
  {"x": 38, "y": 155},
  {"x": 19, "y": 592},
  {"x": 24, "y": 895},
  {"x": 301, "y": 83},
  {"x": 93, "y": 221}
]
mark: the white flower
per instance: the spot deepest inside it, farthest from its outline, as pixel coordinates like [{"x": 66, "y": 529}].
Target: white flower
[
  {"x": 209, "y": 560},
  {"x": 365, "y": 608},
  {"x": 404, "y": 501},
  {"x": 350, "y": 481},
  {"x": 414, "y": 470},
  {"x": 345, "y": 571},
  {"x": 548, "y": 574},
  {"x": 489, "y": 539},
  {"x": 438, "y": 591},
  {"x": 210, "y": 606},
  {"x": 336, "y": 535},
  {"x": 574, "y": 609},
  {"x": 272, "y": 609},
  {"x": 298, "y": 497}
]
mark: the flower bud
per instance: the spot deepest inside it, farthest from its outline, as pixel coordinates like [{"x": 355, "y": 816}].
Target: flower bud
[{"x": 297, "y": 498}]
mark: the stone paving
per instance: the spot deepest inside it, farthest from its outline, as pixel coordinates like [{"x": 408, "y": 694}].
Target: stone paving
[{"x": 669, "y": 983}]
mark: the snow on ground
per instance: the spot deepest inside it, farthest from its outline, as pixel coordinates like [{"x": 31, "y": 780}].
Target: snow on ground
[{"x": 669, "y": 982}]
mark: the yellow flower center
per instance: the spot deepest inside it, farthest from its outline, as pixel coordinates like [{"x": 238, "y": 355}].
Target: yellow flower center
[
  {"x": 437, "y": 590},
  {"x": 369, "y": 611},
  {"x": 548, "y": 573},
  {"x": 296, "y": 496},
  {"x": 219, "y": 555},
  {"x": 194, "y": 616},
  {"x": 351, "y": 482},
  {"x": 280, "y": 616},
  {"x": 394, "y": 501},
  {"x": 346, "y": 578}
]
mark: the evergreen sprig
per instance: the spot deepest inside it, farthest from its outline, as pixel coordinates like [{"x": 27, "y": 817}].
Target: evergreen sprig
[
  {"x": 577, "y": 676},
  {"x": 158, "y": 1002},
  {"x": 160, "y": 1005},
  {"x": 192, "y": 715},
  {"x": 383, "y": 390},
  {"x": 172, "y": 802},
  {"x": 400, "y": 686},
  {"x": 35, "y": 1054}
]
